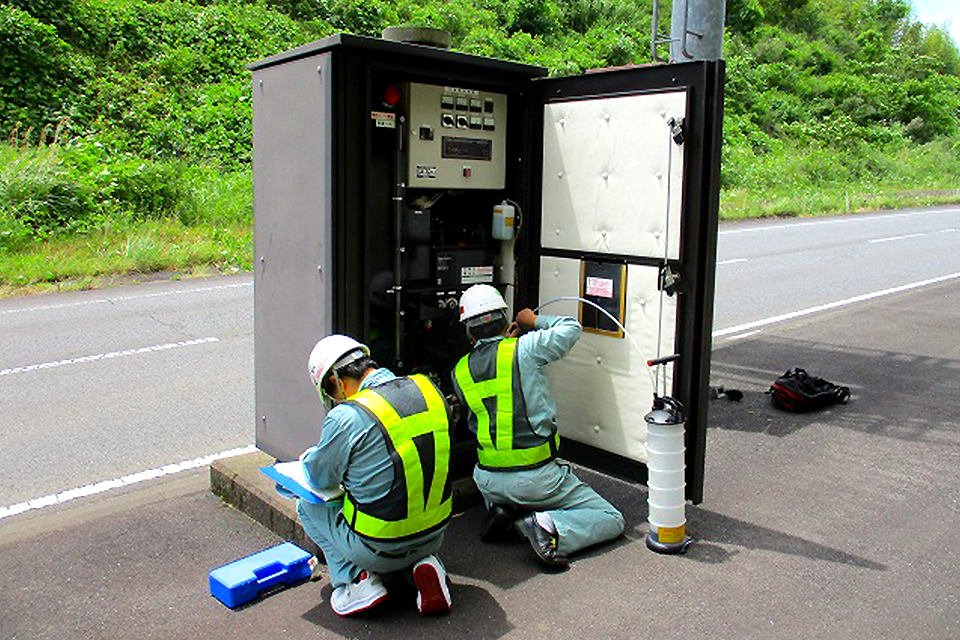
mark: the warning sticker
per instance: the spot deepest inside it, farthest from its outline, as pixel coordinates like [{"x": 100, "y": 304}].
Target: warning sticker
[
  {"x": 384, "y": 119},
  {"x": 427, "y": 171},
  {"x": 672, "y": 535},
  {"x": 600, "y": 287},
  {"x": 475, "y": 275}
]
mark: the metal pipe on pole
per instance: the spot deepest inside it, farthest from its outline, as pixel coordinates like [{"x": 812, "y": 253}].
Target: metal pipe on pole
[{"x": 696, "y": 31}]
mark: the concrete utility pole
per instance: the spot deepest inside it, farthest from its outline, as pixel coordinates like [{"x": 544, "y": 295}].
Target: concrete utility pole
[{"x": 696, "y": 31}]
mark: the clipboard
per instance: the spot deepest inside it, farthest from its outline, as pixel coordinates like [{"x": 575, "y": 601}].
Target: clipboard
[{"x": 290, "y": 476}]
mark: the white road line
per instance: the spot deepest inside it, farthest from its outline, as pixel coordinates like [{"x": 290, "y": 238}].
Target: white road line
[
  {"x": 106, "y": 356},
  {"x": 844, "y": 220},
  {"x": 125, "y": 481},
  {"x": 733, "y": 261},
  {"x": 744, "y": 335},
  {"x": 947, "y": 231},
  {"x": 140, "y": 296},
  {"x": 832, "y": 305},
  {"x": 892, "y": 238}
]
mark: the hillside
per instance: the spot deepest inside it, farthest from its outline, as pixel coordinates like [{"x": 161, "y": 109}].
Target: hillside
[{"x": 127, "y": 124}]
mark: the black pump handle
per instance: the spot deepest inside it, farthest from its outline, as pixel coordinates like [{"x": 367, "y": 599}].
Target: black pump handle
[{"x": 664, "y": 360}]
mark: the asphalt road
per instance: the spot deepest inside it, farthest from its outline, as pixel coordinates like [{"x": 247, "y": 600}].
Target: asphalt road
[
  {"x": 98, "y": 385},
  {"x": 833, "y": 525},
  {"x": 768, "y": 268}
]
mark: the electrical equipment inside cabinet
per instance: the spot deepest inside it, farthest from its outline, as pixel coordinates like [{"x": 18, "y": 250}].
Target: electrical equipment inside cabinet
[{"x": 440, "y": 160}]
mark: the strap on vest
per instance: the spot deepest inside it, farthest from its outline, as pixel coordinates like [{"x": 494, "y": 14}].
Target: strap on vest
[
  {"x": 500, "y": 455},
  {"x": 417, "y": 511}
]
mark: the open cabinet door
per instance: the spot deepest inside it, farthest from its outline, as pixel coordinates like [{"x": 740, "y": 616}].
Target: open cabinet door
[{"x": 625, "y": 216}]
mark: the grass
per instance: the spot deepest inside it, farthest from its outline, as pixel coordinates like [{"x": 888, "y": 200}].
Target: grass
[
  {"x": 96, "y": 259},
  {"x": 795, "y": 180},
  {"x": 73, "y": 217},
  {"x": 739, "y": 204}
]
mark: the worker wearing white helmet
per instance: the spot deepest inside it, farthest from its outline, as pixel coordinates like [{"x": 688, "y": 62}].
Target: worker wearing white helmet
[
  {"x": 387, "y": 520},
  {"x": 510, "y": 409}
]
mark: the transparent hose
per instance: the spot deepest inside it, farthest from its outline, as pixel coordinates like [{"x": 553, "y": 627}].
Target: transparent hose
[{"x": 653, "y": 379}]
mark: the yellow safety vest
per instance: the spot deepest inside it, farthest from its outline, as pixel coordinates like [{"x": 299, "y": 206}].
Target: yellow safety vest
[
  {"x": 405, "y": 409},
  {"x": 505, "y": 441}
]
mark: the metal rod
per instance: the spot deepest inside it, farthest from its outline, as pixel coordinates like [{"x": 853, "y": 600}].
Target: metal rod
[
  {"x": 398, "y": 206},
  {"x": 683, "y": 38},
  {"x": 653, "y": 32}
]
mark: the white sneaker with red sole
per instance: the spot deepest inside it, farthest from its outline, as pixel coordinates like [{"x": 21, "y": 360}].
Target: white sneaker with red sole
[
  {"x": 433, "y": 593},
  {"x": 363, "y": 593}
]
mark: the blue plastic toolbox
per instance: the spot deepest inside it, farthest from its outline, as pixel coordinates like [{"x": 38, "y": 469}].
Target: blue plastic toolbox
[{"x": 243, "y": 580}]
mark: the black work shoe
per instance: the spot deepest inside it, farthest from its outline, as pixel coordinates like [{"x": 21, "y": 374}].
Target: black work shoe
[
  {"x": 543, "y": 542},
  {"x": 498, "y": 527}
]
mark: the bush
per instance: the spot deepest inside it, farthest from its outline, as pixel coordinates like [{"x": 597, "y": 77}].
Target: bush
[
  {"x": 39, "y": 199},
  {"x": 39, "y": 73},
  {"x": 536, "y": 17},
  {"x": 58, "y": 13},
  {"x": 150, "y": 191}
]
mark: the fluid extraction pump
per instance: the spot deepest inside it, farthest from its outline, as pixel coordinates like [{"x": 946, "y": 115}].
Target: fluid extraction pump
[{"x": 666, "y": 470}]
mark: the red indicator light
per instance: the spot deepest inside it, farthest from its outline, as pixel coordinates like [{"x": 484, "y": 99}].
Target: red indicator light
[{"x": 391, "y": 96}]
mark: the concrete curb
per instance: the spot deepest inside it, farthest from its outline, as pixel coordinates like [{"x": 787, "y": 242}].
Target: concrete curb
[{"x": 239, "y": 482}]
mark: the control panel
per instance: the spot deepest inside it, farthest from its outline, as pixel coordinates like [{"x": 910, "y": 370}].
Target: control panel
[{"x": 457, "y": 137}]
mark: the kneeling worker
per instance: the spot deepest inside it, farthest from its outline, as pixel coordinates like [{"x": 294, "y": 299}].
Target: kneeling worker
[
  {"x": 386, "y": 441},
  {"x": 511, "y": 410}
]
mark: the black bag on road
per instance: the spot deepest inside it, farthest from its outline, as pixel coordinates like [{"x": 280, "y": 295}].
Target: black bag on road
[{"x": 797, "y": 390}]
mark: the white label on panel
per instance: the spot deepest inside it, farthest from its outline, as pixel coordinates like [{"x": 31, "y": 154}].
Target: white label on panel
[
  {"x": 474, "y": 275},
  {"x": 384, "y": 119},
  {"x": 600, "y": 287},
  {"x": 426, "y": 172}
]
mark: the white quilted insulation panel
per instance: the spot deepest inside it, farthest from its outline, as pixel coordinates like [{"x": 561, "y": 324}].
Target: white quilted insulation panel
[
  {"x": 603, "y": 387},
  {"x": 612, "y": 175}
]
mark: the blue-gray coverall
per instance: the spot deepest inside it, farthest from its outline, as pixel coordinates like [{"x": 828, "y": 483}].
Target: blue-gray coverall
[
  {"x": 352, "y": 453},
  {"x": 581, "y": 516}
]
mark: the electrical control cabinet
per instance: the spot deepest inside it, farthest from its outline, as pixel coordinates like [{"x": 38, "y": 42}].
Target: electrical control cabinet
[
  {"x": 388, "y": 178},
  {"x": 457, "y": 137}
]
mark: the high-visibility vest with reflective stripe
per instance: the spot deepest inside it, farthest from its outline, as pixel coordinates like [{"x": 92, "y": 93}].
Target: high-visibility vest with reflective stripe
[
  {"x": 412, "y": 416},
  {"x": 488, "y": 381}
]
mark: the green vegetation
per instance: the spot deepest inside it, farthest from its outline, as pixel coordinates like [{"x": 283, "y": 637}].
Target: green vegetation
[
  {"x": 126, "y": 124},
  {"x": 837, "y": 106}
]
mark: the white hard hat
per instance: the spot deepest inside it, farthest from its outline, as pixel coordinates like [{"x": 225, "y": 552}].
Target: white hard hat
[
  {"x": 480, "y": 300},
  {"x": 332, "y": 353}
]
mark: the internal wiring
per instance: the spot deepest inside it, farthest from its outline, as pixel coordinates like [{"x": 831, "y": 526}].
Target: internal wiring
[{"x": 653, "y": 378}]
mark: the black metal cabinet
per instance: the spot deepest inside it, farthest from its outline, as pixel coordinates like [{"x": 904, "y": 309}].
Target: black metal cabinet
[{"x": 615, "y": 172}]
